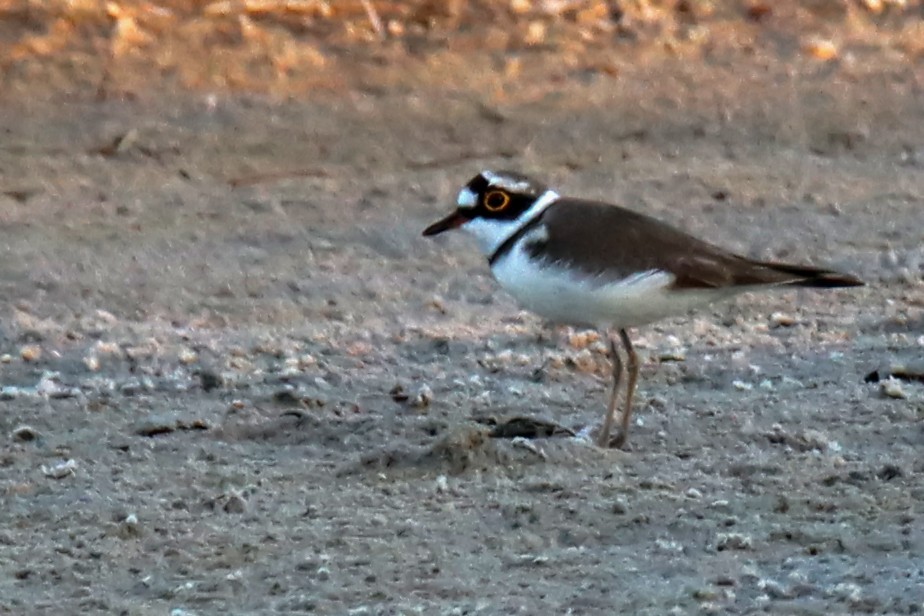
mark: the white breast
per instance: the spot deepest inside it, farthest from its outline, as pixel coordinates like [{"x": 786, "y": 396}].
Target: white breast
[{"x": 566, "y": 296}]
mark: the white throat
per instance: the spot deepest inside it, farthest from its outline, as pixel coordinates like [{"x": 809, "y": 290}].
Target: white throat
[{"x": 491, "y": 233}]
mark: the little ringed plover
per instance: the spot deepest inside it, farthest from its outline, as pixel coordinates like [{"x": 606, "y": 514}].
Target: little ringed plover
[{"x": 582, "y": 262}]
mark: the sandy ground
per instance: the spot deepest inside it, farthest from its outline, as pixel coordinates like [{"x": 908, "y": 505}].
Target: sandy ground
[{"x": 236, "y": 379}]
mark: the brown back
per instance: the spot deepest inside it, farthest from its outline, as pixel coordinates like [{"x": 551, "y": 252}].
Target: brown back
[{"x": 613, "y": 243}]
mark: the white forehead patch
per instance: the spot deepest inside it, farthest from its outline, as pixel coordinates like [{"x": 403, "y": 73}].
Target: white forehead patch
[
  {"x": 466, "y": 198},
  {"x": 506, "y": 182}
]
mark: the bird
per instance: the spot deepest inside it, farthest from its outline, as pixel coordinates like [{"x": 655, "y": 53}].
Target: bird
[{"x": 594, "y": 264}]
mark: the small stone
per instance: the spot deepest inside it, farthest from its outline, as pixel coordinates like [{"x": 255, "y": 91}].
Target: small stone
[
  {"x": 235, "y": 504},
  {"x": 398, "y": 393},
  {"x": 521, "y": 7},
  {"x": 436, "y": 302},
  {"x": 733, "y": 541},
  {"x": 781, "y": 319},
  {"x": 705, "y": 594},
  {"x": 107, "y": 348},
  {"x": 91, "y": 362},
  {"x": 668, "y": 546},
  {"x": 442, "y": 484},
  {"x": 774, "y": 589},
  {"x": 323, "y": 574},
  {"x": 187, "y": 356},
  {"x": 6, "y": 358},
  {"x": 693, "y": 493},
  {"x": 848, "y": 591},
  {"x": 209, "y": 379},
  {"x": 673, "y": 354},
  {"x": 132, "y": 387},
  {"x": 50, "y": 386},
  {"x": 741, "y": 385},
  {"x": 535, "y": 33},
  {"x": 583, "y": 339},
  {"x": 60, "y": 470},
  {"x": 820, "y": 49},
  {"x": 583, "y": 361},
  {"x": 889, "y": 472},
  {"x": 892, "y": 388},
  {"x": 107, "y": 317},
  {"x": 423, "y": 397},
  {"x": 31, "y": 352},
  {"x": 25, "y": 434},
  {"x": 10, "y": 392},
  {"x": 524, "y": 443},
  {"x": 395, "y": 28},
  {"x": 620, "y": 506},
  {"x": 129, "y": 527}
]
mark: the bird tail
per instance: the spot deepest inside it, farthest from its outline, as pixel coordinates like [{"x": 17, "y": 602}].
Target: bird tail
[{"x": 813, "y": 277}]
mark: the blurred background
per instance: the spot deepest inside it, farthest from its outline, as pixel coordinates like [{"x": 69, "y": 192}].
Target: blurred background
[{"x": 296, "y": 47}]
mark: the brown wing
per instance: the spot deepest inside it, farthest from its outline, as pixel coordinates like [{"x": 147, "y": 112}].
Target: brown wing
[{"x": 613, "y": 243}]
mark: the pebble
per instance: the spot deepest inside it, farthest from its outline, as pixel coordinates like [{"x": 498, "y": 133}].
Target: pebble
[
  {"x": 892, "y": 388},
  {"x": 25, "y": 434},
  {"x": 30, "y": 352},
  {"x": 620, "y": 506},
  {"x": 423, "y": 397},
  {"x": 774, "y": 589},
  {"x": 733, "y": 541},
  {"x": 235, "y": 504},
  {"x": 107, "y": 348},
  {"x": 535, "y": 33},
  {"x": 669, "y": 546},
  {"x": 10, "y": 392},
  {"x": 583, "y": 361},
  {"x": 524, "y": 443},
  {"x": 60, "y": 470},
  {"x": 820, "y": 49},
  {"x": 129, "y": 527},
  {"x": 583, "y": 339},
  {"x": 848, "y": 591},
  {"x": 187, "y": 356},
  {"x": 781, "y": 319},
  {"x": 50, "y": 386},
  {"x": 209, "y": 379},
  {"x": 135, "y": 386},
  {"x": 678, "y": 355}
]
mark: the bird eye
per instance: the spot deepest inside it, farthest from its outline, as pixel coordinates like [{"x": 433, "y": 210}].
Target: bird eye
[{"x": 496, "y": 200}]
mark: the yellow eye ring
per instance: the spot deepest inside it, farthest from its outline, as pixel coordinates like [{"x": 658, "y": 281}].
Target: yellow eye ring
[{"x": 496, "y": 200}]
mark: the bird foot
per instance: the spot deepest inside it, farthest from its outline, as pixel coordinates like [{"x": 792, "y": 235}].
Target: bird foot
[{"x": 612, "y": 441}]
